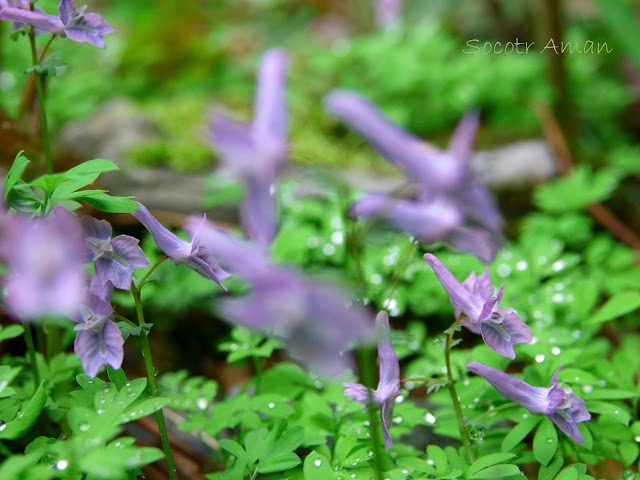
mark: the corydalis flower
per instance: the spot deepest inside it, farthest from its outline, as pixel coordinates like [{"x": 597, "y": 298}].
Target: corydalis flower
[
  {"x": 501, "y": 328},
  {"x": 115, "y": 260},
  {"x": 99, "y": 341},
  {"x": 311, "y": 317},
  {"x": 192, "y": 254},
  {"x": 73, "y": 23},
  {"x": 255, "y": 153},
  {"x": 564, "y": 408},
  {"x": 387, "y": 391},
  {"x": 24, "y": 5},
  {"x": 43, "y": 261}
]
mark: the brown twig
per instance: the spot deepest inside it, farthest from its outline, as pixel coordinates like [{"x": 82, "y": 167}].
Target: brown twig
[{"x": 563, "y": 158}]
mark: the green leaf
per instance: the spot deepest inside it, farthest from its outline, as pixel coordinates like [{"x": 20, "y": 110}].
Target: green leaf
[
  {"x": 144, "y": 408},
  {"x": 278, "y": 462},
  {"x": 22, "y": 198},
  {"x": 517, "y": 433},
  {"x": 90, "y": 167},
  {"x": 629, "y": 451},
  {"x": 611, "y": 410},
  {"x": 317, "y": 467},
  {"x": 439, "y": 458},
  {"x": 487, "y": 461},
  {"x": 568, "y": 473},
  {"x": 29, "y": 414},
  {"x": 104, "y": 202},
  {"x": 117, "y": 377},
  {"x": 11, "y": 331},
  {"x": 496, "y": 472},
  {"x": 620, "y": 20},
  {"x": 545, "y": 442},
  {"x": 550, "y": 471},
  {"x": 15, "y": 173},
  {"x": 619, "y": 304},
  {"x": 233, "y": 447}
]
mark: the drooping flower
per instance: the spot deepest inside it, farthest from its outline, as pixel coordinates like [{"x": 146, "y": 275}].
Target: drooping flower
[
  {"x": 564, "y": 408},
  {"x": 98, "y": 341},
  {"x": 44, "y": 271},
  {"x": 442, "y": 177},
  {"x": 255, "y": 153},
  {"x": 387, "y": 391},
  {"x": 192, "y": 254},
  {"x": 73, "y": 23},
  {"x": 501, "y": 328},
  {"x": 115, "y": 260},
  {"x": 311, "y": 317},
  {"x": 24, "y": 5}
]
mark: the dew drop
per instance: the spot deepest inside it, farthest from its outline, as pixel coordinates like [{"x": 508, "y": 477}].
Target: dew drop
[
  {"x": 83, "y": 426},
  {"x": 155, "y": 372},
  {"x": 637, "y": 438},
  {"x": 540, "y": 358},
  {"x": 504, "y": 270},
  {"x": 522, "y": 265},
  {"x": 525, "y": 415},
  {"x": 376, "y": 279},
  {"x": 233, "y": 347},
  {"x": 62, "y": 465},
  {"x": 430, "y": 418},
  {"x": 271, "y": 405},
  {"x": 405, "y": 471},
  {"x": 602, "y": 383},
  {"x": 19, "y": 414},
  {"x": 556, "y": 350},
  {"x": 399, "y": 399},
  {"x": 617, "y": 412},
  {"x": 430, "y": 462},
  {"x": 550, "y": 440},
  {"x": 245, "y": 346},
  {"x": 3, "y": 425},
  {"x": 328, "y": 249},
  {"x": 202, "y": 403},
  {"x": 587, "y": 389},
  {"x": 397, "y": 420},
  {"x": 317, "y": 462},
  {"x": 90, "y": 381}
]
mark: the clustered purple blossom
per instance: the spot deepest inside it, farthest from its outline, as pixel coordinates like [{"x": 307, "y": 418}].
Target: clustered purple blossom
[{"x": 72, "y": 22}]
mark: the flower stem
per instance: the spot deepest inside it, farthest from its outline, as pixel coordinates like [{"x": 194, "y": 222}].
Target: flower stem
[
  {"x": 148, "y": 274},
  {"x": 151, "y": 375},
  {"x": 366, "y": 375},
  {"x": 464, "y": 433},
  {"x": 421, "y": 380},
  {"x": 31, "y": 349},
  {"x": 489, "y": 412},
  {"x": 40, "y": 92},
  {"x": 397, "y": 274}
]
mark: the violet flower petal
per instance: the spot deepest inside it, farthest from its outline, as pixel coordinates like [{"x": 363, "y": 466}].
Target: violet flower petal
[
  {"x": 424, "y": 163},
  {"x": 100, "y": 289},
  {"x": 501, "y": 337},
  {"x": 96, "y": 350},
  {"x": 41, "y": 21},
  {"x": 83, "y": 27}
]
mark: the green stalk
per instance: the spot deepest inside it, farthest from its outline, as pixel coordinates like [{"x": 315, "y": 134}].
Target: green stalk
[
  {"x": 31, "y": 349},
  {"x": 40, "y": 92},
  {"x": 399, "y": 271},
  {"x": 464, "y": 433},
  {"x": 367, "y": 377},
  {"x": 489, "y": 412},
  {"x": 148, "y": 274},
  {"x": 151, "y": 375}
]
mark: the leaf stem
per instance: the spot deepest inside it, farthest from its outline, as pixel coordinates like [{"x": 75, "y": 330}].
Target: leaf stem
[
  {"x": 397, "y": 274},
  {"x": 31, "y": 349},
  {"x": 148, "y": 274},
  {"x": 421, "y": 380},
  {"x": 151, "y": 375},
  {"x": 488, "y": 412},
  {"x": 464, "y": 433},
  {"x": 44, "y": 127}
]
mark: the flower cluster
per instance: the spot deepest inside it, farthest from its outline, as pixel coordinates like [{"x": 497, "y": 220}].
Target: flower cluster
[{"x": 449, "y": 204}]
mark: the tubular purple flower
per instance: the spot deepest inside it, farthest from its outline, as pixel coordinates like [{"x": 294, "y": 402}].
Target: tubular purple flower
[
  {"x": 99, "y": 341},
  {"x": 422, "y": 161},
  {"x": 501, "y": 328},
  {"x": 115, "y": 260},
  {"x": 43, "y": 261},
  {"x": 24, "y": 5},
  {"x": 388, "y": 384},
  {"x": 255, "y": 153},
  {"x": 42, "y": 22},
  {"x": 564, "y": 408},
  {"x": 192, "y": 254}
]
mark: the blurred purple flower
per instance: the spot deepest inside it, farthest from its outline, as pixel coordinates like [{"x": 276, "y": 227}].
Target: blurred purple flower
[
  {"x": 501, "y": 328},
  {"x": 115, "y": 260},
  {"x": 389, "y": 381},
  {"x": 463, "y": 211},
  {"x": 72, "y": 22},
  {"x": 99, "y": 341},
  {"x": 44, "y": 275},
  {"x": 192, "y": 254},
  {"x": 24, "y": 5},
  {"x": 387, "y": 12},
  {"x": 255, "y": 153},
  {"x": 564, "y": 408},
  {"x": 104, "y": 291},
  {"x": 311, "y": 317}
]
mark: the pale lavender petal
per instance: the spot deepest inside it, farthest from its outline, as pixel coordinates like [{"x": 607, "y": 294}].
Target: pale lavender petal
[
  {"x": 387, "y": 419},
  {"x": 423, "y": 162},
  {"x": 568, "y": 426},
  {"x": 100, "y": 229},
  {"x": 534, "y": 399},
  {"x": 91, "y": 29},
  {"x": 461, "y": 299},
  {"x": 102, "y": 290},
  {"x": 269, "y": 126},
  {"x": 483, "y": 287},
  {"x": 168, "y": 242},
  {"x": 234, "y": 143},
  {"x": 461, "y": 143},
  {"x": 41, "y": 21},
  {"x": 96, "y": 350},
  {"x": 203, "y": 263},
  {"x": 128, "y": 249},
  {"x": 258, "y": 211},
  {"x": 66, "y": 9},
  {"x": 481, "y": 207},
  {"x": 473, "y": 326},
  {"x": 389, "y": 366},
  {"x": 357, "y": 391},
  {"x": 490, "y": 304},
  {"x": 475, "y": 240},
  {"x": 501, "y": 337}
]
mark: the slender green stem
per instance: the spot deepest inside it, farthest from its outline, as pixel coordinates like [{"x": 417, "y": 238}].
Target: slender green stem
[
  {"x": 31, "y": 349},
  {"x": 151, "y": 270},
  {"x": 366, "y": 374},
  {"x": 151, "y": 375},
  {"x": 254, "y": 474},
  {"x": 464, "y": 433},
  {"x": 398, "y": 272},
  {"x": 421, "y": 379},
  {"x": 43, "y": 113},
  {"x": 125, "y": 320},
  {"x": 489, "y": 412},
  {"x": 46, "y": 47}
]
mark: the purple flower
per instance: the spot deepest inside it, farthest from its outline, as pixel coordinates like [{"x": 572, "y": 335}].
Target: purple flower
[
  {"x": 99, "y": 341},
  {"x": 388, "y": 383},
  {"x": 255, "y": 152},
  {"x": 115, "y": 260},
  {"x": 564, "y": 408},
  {"x": 387, "y": 12},
  {"x": 44, "y": 275},
  {"x": 24, "y": 5},
  {"x": 72, "y": 22},
  {"x": 501, "y": 328},
  {"x": 311, "y": 317},
  {"x": 192, "y": 254}
]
